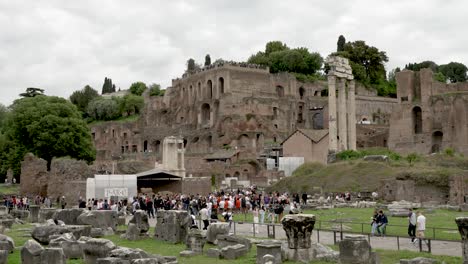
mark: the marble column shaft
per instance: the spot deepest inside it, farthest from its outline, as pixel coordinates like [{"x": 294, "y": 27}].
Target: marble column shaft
[
  {"x": 332, "y": 125},
  {"x": 342, "y": 116},
  {"x": 351, "y": 103}
]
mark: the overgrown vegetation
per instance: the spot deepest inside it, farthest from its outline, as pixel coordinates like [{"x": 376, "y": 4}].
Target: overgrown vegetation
[
  {"x": 280, "y": 58},
  {"x": 358, "y": 154},
  {"x": 351, "y": 173}
]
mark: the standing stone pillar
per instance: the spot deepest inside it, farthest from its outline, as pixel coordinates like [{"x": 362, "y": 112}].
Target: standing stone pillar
[
  {"x": 332, "y": 126},
  {"x": 342, "y": 112},
  {"x": 462, "y": 223},
  {"x": 351, "y": 103},
  {"x": 340, "y": 71},
  {"x": 34, "y": 213},
  {"x": 298, "y": 230}
]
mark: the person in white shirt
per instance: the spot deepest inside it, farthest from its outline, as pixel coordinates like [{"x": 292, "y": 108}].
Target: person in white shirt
[
  {"x": 204, "y": 216},
  {"x": 420, "y": 227}
]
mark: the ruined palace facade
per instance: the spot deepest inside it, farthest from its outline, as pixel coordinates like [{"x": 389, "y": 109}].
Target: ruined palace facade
[
  {"x": 431, "y": 116},
  {"x": 227, "y": 114}
]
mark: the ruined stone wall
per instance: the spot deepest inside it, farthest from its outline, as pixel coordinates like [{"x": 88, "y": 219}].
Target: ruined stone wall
[
  {"x": 430, "y": 115},
  {"x": 34, "y": 176},
  {"x": 409, "y": 190},
  {"x": 66, "y": 177},
  {"x": 195, "y": 186},
  {"x": 372, "y": 136}
]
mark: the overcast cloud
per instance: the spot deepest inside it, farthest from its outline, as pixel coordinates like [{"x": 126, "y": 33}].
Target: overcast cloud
[{"x": 63, "y": 45}]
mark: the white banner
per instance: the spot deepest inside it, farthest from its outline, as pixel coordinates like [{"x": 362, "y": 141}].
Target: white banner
[{"x": 121, "y": 192}]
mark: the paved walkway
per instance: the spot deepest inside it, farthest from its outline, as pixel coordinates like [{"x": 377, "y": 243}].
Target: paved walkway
[{"x": 389, "y": 243}]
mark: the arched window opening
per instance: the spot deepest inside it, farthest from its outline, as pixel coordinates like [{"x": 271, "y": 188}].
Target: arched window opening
[
  {"x": 209, "y": 85},
  {"x": 280, "y": 91},
  {"x": 275, "y": 112},
  {"x": 417, "y": 120},
  {"x": 199, "y": 92},
  {"x": 157, "y": 146},
  {"x": 243, "y": 141},
  {"x": 317, "y": 120},
  {"x": 221, "y": 85},
  {"x": 205, "y": 113},
  {"x": 301, "y": 92},
  {"x": 437, "y": 138}
]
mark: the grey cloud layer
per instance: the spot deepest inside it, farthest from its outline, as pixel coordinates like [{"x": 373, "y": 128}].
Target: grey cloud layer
[{"x": 63, "y": 45}]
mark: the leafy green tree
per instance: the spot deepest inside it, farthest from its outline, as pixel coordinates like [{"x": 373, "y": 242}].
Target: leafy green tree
[
  {"x": 82, "y": 97},
  {"x": 367, "y": 58},
  {"x": 454, "y": 71},
  {"x": 155, "y": 90},
  {"x": 191, "y": 66},
  {"x": 421, "y": 65},
  {"x": 138, "y": 88},
  {"x": 280, "y": 58},
  {"x": 49, "y": 127},
  {"x": 108, "y": 87},
  {"x": 32, "y": 92},
  {"x": 207, "y": 60},
  {"x": 104, "y": 109},
  {"x": 341, "y": 43},
  {"x": 132, "y": 104},
  {"x": 259, "y": 58},
  {"x": 438, "y": 76},
  {"x": 3, "y": 115},
  {"x": 274, "y": 46}
]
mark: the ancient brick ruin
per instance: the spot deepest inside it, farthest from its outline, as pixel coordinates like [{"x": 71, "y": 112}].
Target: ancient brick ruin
[
  {"x": 230, "y": 115},
  {"x": 430, "y": 116}
]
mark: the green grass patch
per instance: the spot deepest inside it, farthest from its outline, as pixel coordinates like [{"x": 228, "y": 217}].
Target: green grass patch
[
  {"x": 9, "y": 189},
  {"x": 122, "y": 119}
]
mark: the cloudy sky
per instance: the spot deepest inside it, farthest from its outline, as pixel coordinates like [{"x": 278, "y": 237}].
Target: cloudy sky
[{"x": 63, "y": 45}]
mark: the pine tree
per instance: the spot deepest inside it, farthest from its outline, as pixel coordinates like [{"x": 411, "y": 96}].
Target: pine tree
[
  {"x": 341, "y": 43},
  {"x": 104, "y": 86},
  {"x": 207, "y": 60}
]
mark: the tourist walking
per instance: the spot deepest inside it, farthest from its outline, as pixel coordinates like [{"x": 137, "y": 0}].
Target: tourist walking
[
  {"x": 262, "y": 214},
  {"x": 420, "y": 228},
  {"x": 411, "y": 225},
  {"x": 255, "y": 226},
  {"x": 63, "y": 203},
  {"x": 204, "y": 216}
]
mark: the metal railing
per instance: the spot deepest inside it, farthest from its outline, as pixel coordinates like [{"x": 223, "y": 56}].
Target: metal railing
[{"x": 275, "y": 231}]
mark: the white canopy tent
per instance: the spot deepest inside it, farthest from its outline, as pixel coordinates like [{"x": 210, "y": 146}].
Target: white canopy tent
[{"x": 112, "y": 186}]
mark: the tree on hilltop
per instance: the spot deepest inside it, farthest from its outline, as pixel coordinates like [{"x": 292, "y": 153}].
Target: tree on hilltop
[
  {"x": 32, "y": 92},
  {"x": 207, "y": 60},
  {"x": 341, "y": 43},
  {"x": 137, "y": 88},
  {"x": 280, "y": 58},
  {"x": 82, "y": 97},
  {"x": 108, "y": 87}
]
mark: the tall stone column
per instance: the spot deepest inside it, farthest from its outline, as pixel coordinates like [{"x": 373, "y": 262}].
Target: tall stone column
[
  {"x": 351, "y": 103},
  {"x": 462, "y": 223},
  {"x": 342, "y": 120},
  {"x": 332, "y": 125}
]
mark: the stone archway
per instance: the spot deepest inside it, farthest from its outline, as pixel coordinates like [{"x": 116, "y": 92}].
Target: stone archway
[{"x": 417, "y": 120}]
